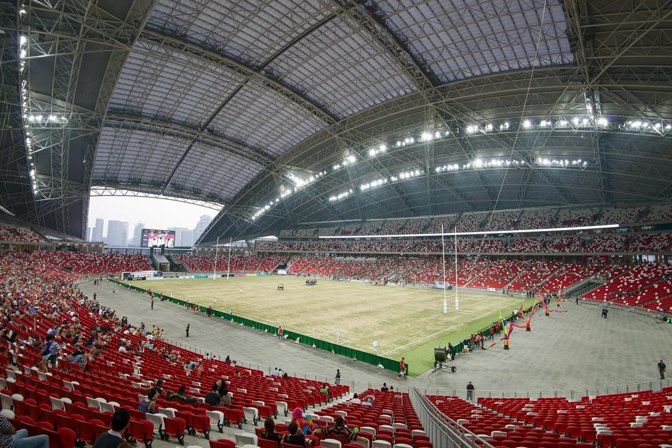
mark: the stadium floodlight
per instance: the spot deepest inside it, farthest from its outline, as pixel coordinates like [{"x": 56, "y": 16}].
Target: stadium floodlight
[
  {"x": 490, "y": 232},
  {"x": 603, "y": 121},
  {"x": 527, "y": 124},
  {"x": 426, "y": 136}
]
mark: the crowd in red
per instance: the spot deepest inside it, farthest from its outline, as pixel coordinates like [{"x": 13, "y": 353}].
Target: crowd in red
[
  {"x": 239, "y": 263},
  {"x": 77, "y": 397},
  {"x": 538, "y": 218},
  {"x": 12, "y": 233},
  {"x": 546, "y": 244},
  {"x": 622, "y": 420},
  {"x": 83, "y": 262}
]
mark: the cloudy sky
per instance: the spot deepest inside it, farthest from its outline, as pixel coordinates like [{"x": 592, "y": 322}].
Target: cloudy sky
[{"x": 153, "y": 213}]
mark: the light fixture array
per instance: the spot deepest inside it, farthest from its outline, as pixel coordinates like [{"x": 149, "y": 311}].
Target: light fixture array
[
  {"x": 33, "y": 120},
  {"x": 340, "y": 196},
  {"x": 602, "y": 123},
  {"x": 23, "y": 54}
]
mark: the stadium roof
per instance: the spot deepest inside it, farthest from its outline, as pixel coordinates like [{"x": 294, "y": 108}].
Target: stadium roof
[{"x": 288, "y": 111}]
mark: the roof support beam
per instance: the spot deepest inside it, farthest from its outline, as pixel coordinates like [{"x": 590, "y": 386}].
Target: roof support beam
[
  {"x": 248, "y": 72},
  {"x": 370, "y": 19},
  {"x": 229, "y": 145}
]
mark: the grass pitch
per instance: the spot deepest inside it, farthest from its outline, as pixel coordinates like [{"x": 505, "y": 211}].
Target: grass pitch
[{"x": 406, "y": 322}]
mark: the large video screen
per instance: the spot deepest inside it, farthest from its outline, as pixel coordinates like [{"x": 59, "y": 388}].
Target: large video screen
[{"x": 158, "y": 238}]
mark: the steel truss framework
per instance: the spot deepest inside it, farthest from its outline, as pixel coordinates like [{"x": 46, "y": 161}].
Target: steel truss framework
[{"x": 622, "y": 71}]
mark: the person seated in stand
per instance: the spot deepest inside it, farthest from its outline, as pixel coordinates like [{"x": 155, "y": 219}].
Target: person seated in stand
[
  {"x": 295, "y": 437},
  {"x": 269, "y": 431},
  {"x": 307, "y": 426},
  {"x": 157, "y": 388},
  {"x": 212, "y": 398},
  {"x": 355, "y": 399},
  {"x": 148, "y": 402},
  {"x": 181, "y": 395},
  {"x": 78, "y": 357},
  {"x": 223, "y": 390},
  {"x": 339, "y": 429},
  {"x": 368, "y": 401},
  {"x": 384, "y": 388},
  {"x": 11, "y": 438},
  {"x": 115, "y": 436},
  {"x": 325, "y": 390}
]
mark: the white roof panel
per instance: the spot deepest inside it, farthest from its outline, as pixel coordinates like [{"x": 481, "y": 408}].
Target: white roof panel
[
  {"x": 158, "y": 82},
  {"x": 460, "y": 39},
  {"x": 262, "y": 118},
  {"x": 341, "y": 68},
  {"x": 126, "y": 156},
  {"x": 214, "y": 172},
  {"x": 249, "y": 30}
]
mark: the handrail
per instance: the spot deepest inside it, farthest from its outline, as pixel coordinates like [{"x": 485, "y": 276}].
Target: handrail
[
  {"x": 575, "y": 394},
  {"x": 442, "y": 430}
]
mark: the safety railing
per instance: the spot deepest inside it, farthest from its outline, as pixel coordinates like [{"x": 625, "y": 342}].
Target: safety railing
[{"x": 443, "y": 431}]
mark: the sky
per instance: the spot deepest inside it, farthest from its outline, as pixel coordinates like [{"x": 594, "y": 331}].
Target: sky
[{"x": 153, "y": 213}]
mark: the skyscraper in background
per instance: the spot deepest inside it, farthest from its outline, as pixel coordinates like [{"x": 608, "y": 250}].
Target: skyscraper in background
[
  {"x": 117, "y": 233},
  {"x": 183, "y": 237},
  {"x": 201, "y": 226},
  {"x": 136, "y": 238},
  {"x": 97, "y": 234}
]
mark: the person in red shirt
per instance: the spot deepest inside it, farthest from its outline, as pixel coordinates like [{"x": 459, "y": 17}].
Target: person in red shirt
[{"x": 402, "y": 368}]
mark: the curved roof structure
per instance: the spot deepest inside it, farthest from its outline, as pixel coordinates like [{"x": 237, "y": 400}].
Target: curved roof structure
[{"x": 288, "y": 111}]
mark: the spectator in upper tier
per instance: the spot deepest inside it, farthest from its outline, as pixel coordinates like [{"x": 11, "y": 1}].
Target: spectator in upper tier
[
  {"x": 223, "y": 391},
  {"x": 307, "y": 426},
  {"x": 148, "y": 402},
  {"x": 269, "y": 431},
  {"x": 212, "y": 398},
  {"x": 295, "y": 436},
  {"x": 181, "y": 395},
  {"x": 338, "y": 429}
]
